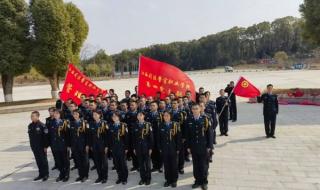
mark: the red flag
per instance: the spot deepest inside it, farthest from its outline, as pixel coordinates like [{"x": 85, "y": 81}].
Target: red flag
[
  {"x": 156, "y": 76},
  {"x": 77, "y": 84},
  {"x": 245, "y": 89}
]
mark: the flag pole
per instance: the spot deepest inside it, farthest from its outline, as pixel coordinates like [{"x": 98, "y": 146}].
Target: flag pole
[
  {"x": 228, "y": 99},
  {"x": 138, "y": 74}
]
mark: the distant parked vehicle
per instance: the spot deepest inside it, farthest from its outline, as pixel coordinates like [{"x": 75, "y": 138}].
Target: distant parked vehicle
[
  {"x": 298, "y": 66},
  {"x": 228, "y": 69}
]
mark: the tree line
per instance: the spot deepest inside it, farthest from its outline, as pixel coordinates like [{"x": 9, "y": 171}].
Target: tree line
[{"x": 238, "y": 44}]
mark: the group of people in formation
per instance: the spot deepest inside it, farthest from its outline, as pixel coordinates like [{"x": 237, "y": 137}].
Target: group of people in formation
[{"x": 152, "y": 133}]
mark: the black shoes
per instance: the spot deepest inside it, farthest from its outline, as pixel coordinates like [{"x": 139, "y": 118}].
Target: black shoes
[
  {"x": 73, "y": 168},
  {"x": 45, "y": 178},
  {"x": 124, "y": 183},
  {"x": 113, "y": 168},
  {"x": 204, "y": 187},
  {"x": 133, "y": 169},
  {"x": 194, "y": 186},
  {"x": 174, "y": 184},
  {"x": 65, "y": 179},
  {"x": 147, "y": 182},
  {"x": 118, "y": 181},
  {"x": 273, "y": 137},
  {"x": 58, "y": 179},
  {"x": 160, "y": 170},
  {"x": 104, "y": 181},
  {"x": 78, "y": 179},
  {"x": 98, "y": 180},
  {"x": 181, "y": 172},
  {"x": 37, "y": 178},
  {"x": 84, "y": 179},
  {"x": 141, "y": 182},
  {"x": 93, "y": 168},
  {"x": 154, "y": 169},
  {"x": 166, "y": 184},
  {"x": 54, "y": 167}
]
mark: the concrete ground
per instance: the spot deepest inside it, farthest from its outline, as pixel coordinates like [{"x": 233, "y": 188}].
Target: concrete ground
[{"x": 243, "y": 160}]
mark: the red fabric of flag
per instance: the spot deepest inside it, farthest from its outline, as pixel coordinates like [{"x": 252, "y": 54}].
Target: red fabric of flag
[
  {"x": 246, "y": 89},
  {"x": 156, "y": 76},
  {"x": 77, "y": 84}
]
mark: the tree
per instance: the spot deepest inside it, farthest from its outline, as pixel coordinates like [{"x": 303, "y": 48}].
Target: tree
[
  {"x": 14, "y": 32},
  {"x": 281, "y": 57},
  {"x": 93, "y": 70},
  {"x": 79, "y": 29},
  {"x": 310, "y": 10},
  {"x": 59, "y": 31}
]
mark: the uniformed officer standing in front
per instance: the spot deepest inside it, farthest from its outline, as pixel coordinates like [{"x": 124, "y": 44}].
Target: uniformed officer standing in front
[
  {"x": 223, "y": 111},
  {"x": 79, "y": 133},
  {"x": 270, "y": 110},
  {"x": 131, "y": 120},
  {"x": 99, "y": 145},
  {"x": 49, "y": 122},
  {"x": 155, "y": 118},
  {"x": 118, "y": 143},
  {"x": 179, "y": 116},
  {"x": 60, "y": 145},
  {"x": 169, "y": 142},
  {"x": 38, "y": 136},
  {"x": 143, "y": 144},
  {"x": 199, "y": 138}
]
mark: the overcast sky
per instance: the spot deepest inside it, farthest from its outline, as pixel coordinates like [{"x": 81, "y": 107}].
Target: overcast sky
[{"x": 116, "y": 25}]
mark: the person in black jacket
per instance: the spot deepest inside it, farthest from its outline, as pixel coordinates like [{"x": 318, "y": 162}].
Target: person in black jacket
[
  {"x": 79, "y": 133},
  {"x": 60, "y": 145},
  {"x": 155, "y": 118},
  {"x": 169, "y": 142},
  {"x": 38, "y": 136},
  {"x": 143, "y": 144},
  {"x": 233, "y": 101},
  {"x": 200, "y": 143},
  {"x": 222, "y": 103},
  {"x": 49, "y": 122},
  {"x": 99, "y": 145},
  {"x": 118, "y": 143},
  {"x": 270, "y": 110}
]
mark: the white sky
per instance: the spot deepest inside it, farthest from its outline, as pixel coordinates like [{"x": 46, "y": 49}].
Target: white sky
[{"x": 116, "y": 25}]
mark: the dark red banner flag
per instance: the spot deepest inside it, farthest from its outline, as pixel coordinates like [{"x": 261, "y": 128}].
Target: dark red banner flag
[
  {"x": 156, "y": 76},
  {"x": 246, "y": 89},
  {"x": 77, "y": 84}
]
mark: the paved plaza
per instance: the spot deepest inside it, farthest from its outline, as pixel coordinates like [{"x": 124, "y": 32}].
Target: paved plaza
[{"x": 243, "y": 160}]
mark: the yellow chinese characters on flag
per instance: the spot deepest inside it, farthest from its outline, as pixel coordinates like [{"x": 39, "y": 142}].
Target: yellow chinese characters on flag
[
  {"x": 156, "y": 76},
  {"x": 77, "y": 84}
]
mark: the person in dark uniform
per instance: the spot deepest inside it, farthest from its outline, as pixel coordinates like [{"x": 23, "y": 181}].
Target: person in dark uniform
[
  {"x": 38, "y": 136},
  {"x": 79, "y": 132},
  {"x": 270, "y": 111},
  {"x": 118, "y": 143},
  {"x": 223, "y": 112},
  {"x": 131, "y": 120},
  {"x": 99, "y": 145},
  {"x": 59, "y": 103},
  {"x": 155, "y": 118},
  {"x": 199, "y": 138},
  {"x": 169, "y": 142},
  {"x": 49, "y": 122},
  {"x": 179, "y": 116},
  {"x": 210, "y": 112},
  {"x": 60, "y": 145},
  {"x": 233, "y": 101},
  {"x": 143, "y": 144}
]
